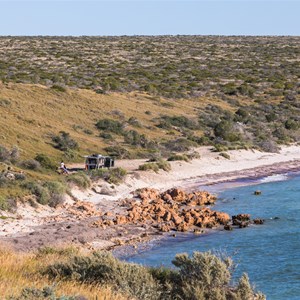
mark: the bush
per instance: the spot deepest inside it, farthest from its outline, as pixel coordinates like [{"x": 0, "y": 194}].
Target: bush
[
  {"x": 115, "y": 175},
  {"x": 58, "y": 88},
  {"x": 149, "y": 166},
  {"x": 30, "y": 164},
  {"x": 156, "y": 166},
  {"x": 179, "y": 145},
  {"x": 164, "y": 165},
  {"x": 3, "y": 203},
  {"x": 176, "y": 157},
  {"x": 4, "y": 154},
  {"x": 64, "y": 142},
  {"x": 178, "y": 121},
  {"x": 103, "y": 268},
  {"x": 45, "y": 161},
  {"x": 47, "y": 293},
  {"x": 51, "y": 193},
  {"x": 117, "y": 151},
  {"x": 42, "y": 193},
  {"x": 198, "y": 277},
  {"x": 80, "y": 179},
  {"x": 225, "y": 155},
  {"x": 225, "y": 130},
  {"x": 110, "y": 125},
  {"x": 132, "y": 137}
]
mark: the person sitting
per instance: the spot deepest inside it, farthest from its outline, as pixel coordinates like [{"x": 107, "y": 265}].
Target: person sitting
[{"x": 64, "y": 168}]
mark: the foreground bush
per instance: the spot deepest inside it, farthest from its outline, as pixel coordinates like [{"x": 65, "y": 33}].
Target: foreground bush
[
  {"x": 115, "y": 175},
  {"x": 80, "y": 179},
  {"x": 51, "y": 193},
  {"x": 156, "y": 166},
  {"x": 202, "y": 276},
  {"x": 46, "y": 293}
]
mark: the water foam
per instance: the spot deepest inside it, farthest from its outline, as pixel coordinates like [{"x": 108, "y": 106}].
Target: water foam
[{"x": 272, "y": 178}]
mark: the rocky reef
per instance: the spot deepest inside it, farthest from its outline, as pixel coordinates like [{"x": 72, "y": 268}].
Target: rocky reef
[{"x": 173, "y": 210}]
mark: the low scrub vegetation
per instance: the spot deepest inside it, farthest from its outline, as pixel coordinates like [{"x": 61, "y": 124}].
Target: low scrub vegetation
[
  {"x": 79, "y": 179},
  {"x": 196, "y": 277},
  {"x": 176, "y": 157},
  {"x": 156, "y": 166},
  {"x": 115, "y": 175}
]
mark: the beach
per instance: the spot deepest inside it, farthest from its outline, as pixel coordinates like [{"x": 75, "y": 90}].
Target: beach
[{"x": 30, "y": 228}]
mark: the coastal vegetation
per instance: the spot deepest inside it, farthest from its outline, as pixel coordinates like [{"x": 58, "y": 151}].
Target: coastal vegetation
[{"x": 65, "y": 274}]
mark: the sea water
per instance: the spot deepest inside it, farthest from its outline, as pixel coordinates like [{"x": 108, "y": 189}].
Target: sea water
[{"x": 268, "y": 253}]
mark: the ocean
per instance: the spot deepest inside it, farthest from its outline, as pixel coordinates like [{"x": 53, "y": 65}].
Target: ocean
[{"x": 268, "y": 253}]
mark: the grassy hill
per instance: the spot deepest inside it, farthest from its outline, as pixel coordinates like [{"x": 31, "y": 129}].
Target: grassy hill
[{"x": 142, "y": 97}]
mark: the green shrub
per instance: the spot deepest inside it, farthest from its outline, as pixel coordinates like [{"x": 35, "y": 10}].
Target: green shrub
[
  {"x": 47, "y": 293},
  {"x": 106, "y": 135},
  {"x": 64, "y": 142},
  {"x": 30, "y": 164},
  {"x": 4, "y": 154},
  {"x": 201, "y": 276},
  {"x": 176, "y": 157},
  {"x": 115, "y": 175},
  {"x": 58, "y": 88},
  {"x": 51, "y": 193},
  {"x": 45, "y": 161},
  {"x": 149, "y": 166},
  {"x": 80, "y": 179},
  {"x": 132, "y": 137},
  {"x": 225, "y": 130},
  {"x": 179, "y": 121},
  {"x": 110, "y": 125},
  {"x": 155, "y": 166},
  {"x": 103, "y": 268},
  {"x": 225, "y": 155},
  {"x": 193, "y": 155},
  {"x": 164, "y": 165},
  {"x": 117, "y": 151},
  {"x": 42, "y": 193},
  {"x": 3, "y": 203},
  {"x": 179, "y": 145}
]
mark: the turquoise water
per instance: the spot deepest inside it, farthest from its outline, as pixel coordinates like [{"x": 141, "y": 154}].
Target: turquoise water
[{"x": 269, "y": 253}]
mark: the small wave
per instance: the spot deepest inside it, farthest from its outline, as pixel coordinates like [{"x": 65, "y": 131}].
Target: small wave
[{"x": 277, "y": 177}]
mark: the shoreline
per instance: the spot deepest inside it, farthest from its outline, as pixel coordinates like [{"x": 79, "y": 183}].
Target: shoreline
[{"x": 37, "y": 227}]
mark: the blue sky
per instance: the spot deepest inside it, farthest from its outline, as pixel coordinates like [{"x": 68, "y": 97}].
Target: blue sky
[{"x": 150, "y": 17}]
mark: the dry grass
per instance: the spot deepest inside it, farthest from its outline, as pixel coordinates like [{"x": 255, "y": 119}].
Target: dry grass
[
  {"x": 36, "y": 112},
  {"x": 20, "y": 270}
]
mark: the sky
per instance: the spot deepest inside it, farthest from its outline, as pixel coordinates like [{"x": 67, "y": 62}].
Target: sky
[{"x": 150, "y": 17}]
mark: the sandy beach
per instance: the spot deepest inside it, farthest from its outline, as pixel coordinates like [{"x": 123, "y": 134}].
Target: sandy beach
[{"x": 30, "y": 228}]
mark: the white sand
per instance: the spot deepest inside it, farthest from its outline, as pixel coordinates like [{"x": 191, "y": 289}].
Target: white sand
[{"x": 210, "y": 168}]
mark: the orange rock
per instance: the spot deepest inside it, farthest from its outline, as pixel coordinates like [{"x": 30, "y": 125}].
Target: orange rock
[
  {"x": 120, "y": 220},
  {"x": 177, "y": 195}
]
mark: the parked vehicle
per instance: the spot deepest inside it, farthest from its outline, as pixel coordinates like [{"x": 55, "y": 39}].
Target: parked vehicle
[{"x": 97, "y": 161}]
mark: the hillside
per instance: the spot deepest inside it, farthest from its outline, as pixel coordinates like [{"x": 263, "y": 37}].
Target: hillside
[{"x": 140, "y": 97}]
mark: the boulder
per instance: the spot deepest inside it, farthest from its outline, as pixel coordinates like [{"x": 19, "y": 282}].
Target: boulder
[
  {"x": 121, "y": 220},
  {"x": 221, "y": 217},
  {"x": 177, "y": 195},
  {"x": 148, "y": 194},
  {"x": 228, "y": 227},
  {"x": 258, "y": 221}
]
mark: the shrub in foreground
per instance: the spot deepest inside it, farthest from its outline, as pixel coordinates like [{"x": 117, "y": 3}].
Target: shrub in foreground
[
  {"x": 80, "y": 179},
  {"x": 156, "y": 166},
  {"x": 201, "y": 276},
  {"x": 115, "y": 175},
  {"x": 177, "y": 157},
  {"x": 47, "y": 293}
]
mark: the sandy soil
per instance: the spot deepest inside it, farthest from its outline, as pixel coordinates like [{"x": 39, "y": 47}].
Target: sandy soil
[{"x": 34, "y": 227}]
